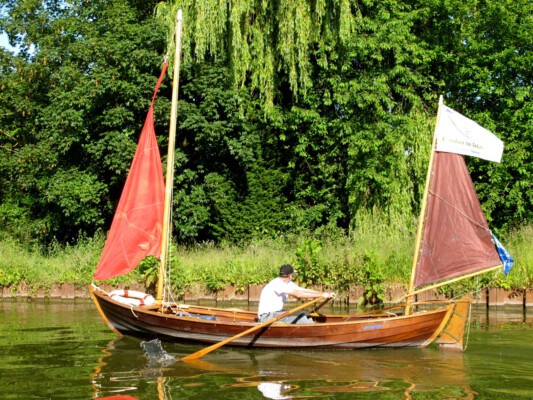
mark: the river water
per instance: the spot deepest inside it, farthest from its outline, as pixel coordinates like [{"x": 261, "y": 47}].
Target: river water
[{"x": 63, "y": 350}]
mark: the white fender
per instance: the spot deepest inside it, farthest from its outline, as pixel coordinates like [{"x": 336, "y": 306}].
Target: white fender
[{"x": 132, "y": 297}]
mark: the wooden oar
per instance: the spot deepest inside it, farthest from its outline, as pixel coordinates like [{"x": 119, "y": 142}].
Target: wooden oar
[
  {"x": 322, "y": 304},
  {"x": 209, "y": 349}
]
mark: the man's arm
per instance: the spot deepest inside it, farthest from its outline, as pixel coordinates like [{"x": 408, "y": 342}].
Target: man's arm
[{"x": 303, "y": 293}]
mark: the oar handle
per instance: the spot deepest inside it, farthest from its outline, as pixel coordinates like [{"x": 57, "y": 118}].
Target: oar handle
[
  {"x": 322, "y": 304},
  {"x": 215, "y": 346}
]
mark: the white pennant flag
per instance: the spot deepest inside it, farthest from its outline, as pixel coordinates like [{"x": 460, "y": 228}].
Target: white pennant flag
[{"x": 458, "y": 134}]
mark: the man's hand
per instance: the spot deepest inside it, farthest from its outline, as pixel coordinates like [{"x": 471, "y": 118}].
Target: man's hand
[{"x": 328, "y": 295}]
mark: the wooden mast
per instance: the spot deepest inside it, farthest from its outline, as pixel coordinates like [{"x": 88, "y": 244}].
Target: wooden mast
[
  {"x": 169, "y": 180},
  {"x": 421, "y": 220}
]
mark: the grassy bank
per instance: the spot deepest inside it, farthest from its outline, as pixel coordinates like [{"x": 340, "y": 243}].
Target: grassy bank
[{"x": 378, "y": 255}]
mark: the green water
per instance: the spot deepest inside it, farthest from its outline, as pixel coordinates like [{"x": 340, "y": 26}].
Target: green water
[{"x": 62, "y": 350}]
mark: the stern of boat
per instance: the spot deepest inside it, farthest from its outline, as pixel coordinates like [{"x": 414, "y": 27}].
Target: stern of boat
[{"x": 451, "y": 337}]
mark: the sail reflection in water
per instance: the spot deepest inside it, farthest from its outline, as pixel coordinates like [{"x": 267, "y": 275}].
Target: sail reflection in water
[{"x": 127, "y": 367}]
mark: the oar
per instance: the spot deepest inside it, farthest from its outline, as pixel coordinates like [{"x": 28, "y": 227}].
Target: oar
[
  {"x": 209, "y": 349},
  {"x": 322, "y": 304}
]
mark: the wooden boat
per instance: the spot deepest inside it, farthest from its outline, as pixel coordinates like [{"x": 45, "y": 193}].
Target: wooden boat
[{"x": 453, "y": 242}]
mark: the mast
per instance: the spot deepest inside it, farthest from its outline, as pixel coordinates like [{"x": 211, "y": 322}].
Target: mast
[
  {"x": 421, "y": 220},
  {"x": 169, "y": 180}
]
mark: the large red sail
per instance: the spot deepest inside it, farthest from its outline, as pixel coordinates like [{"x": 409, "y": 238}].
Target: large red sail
[
  {"x": 456, "y": 240},
  {"x": 136, "y": 228}
]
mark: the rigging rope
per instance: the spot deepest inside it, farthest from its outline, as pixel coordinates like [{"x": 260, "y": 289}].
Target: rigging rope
[{"x": 459, "y": 211}]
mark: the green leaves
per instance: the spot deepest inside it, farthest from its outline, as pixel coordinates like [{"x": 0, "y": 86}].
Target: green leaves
[
  {"x": 74, "y": 97},
  {"x": 77, "y": 196},
  {"x": 372, "y": 279},
  {"x": 294, "y": 117}
]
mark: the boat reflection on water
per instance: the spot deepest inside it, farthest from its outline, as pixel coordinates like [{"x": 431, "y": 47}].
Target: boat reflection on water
[
  {"x": 280, "y": 375},
  {"x": 125, "y": 367}
]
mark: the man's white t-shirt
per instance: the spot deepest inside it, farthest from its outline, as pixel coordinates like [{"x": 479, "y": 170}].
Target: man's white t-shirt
[{"x": 274, "y": 295}]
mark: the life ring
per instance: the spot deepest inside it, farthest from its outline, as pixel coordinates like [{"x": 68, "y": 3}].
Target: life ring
[{"x": 132, "y": 297}]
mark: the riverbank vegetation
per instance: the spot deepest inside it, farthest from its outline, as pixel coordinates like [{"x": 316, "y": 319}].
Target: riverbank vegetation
[
  {"x": 378, "y": 258},
  {"x": 304, "y": 132}
]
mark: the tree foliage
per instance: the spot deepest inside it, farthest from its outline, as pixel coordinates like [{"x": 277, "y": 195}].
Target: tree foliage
[
  {"x": 73, "y": 100},
  {"x": 294, "y": 116}
]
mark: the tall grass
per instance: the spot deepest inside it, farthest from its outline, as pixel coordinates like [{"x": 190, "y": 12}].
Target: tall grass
[
  {"x": 381, "y": 242},
  {"x": 219, "y": 266},
  {"x": 41, "y": 268},
  {"x": 518, "y": 244},
  {"x": 391, "y": 237}
]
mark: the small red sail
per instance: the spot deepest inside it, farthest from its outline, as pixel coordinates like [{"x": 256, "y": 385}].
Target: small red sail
[
  {"x": 136, "y": 228},
  {"x": 456, "y": 240}
]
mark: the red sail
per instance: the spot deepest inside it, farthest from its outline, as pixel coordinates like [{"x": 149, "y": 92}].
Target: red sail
[
  {"x": 136, "y": 228},
  {"x": 456, "y": 240}
]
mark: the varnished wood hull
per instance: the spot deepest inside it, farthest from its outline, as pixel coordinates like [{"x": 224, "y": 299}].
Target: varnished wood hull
[{"x": 418, "y": 329}]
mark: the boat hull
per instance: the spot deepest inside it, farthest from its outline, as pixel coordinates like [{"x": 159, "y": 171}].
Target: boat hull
[{"x": 194, "y": 324}]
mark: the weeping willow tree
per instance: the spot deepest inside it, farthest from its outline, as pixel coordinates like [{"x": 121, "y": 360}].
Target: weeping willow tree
[
  {"x": 339, "y": 81},
  {"x": 260, "y": 39},
  {"x": 349, "y": 88}
]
